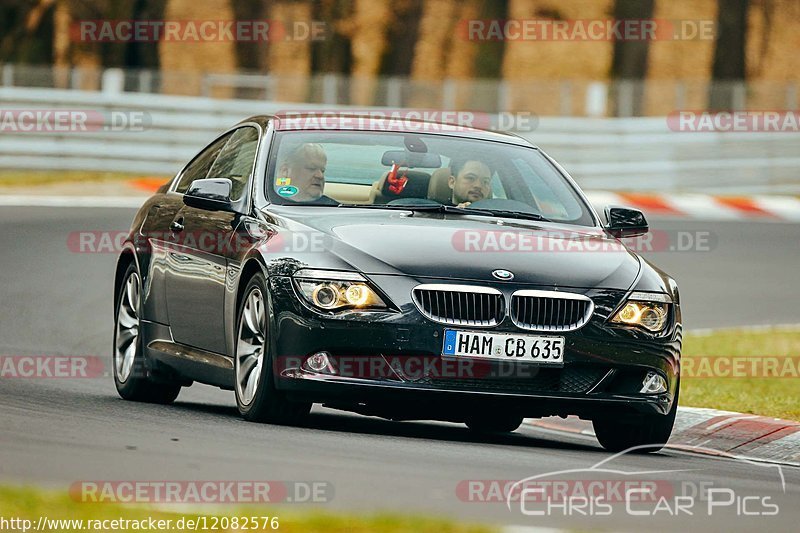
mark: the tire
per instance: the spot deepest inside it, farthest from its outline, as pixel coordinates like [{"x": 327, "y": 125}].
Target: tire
[
  {"x": 257, "y": 397},
  {"x": 651, "y": 433},
  {"x": 494, "y": 423},
  {"x": 130, "y": 374}
]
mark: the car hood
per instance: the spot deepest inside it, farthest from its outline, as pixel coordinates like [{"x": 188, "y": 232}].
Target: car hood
[{"x": 471, "y": 248}]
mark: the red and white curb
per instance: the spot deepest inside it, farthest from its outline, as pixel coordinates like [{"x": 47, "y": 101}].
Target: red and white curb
[
  {"x": 714, "y": 432},
  {"x": 35, "y": 200},
  {"x": 704, "y": 206},
  {"x": 674, "y": 206}
]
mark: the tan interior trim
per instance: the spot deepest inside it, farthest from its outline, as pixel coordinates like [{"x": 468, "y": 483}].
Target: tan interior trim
[{"x": 349, "y": 193}]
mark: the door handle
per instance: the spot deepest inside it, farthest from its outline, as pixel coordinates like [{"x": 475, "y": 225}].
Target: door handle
[{"x": 177, "y": 225}]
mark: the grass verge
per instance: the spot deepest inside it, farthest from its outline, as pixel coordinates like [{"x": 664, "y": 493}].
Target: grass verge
[
  {"x": 767, "y": 396},
  {"x": 31, "y": 504}
]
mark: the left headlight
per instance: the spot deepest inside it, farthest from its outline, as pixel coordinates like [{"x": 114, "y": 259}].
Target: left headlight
[
  {"x": 647, "y": 310},
  {"x": 329, "y": 290}
]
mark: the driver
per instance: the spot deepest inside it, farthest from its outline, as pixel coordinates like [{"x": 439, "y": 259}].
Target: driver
[
  {"x": 470, "y": 180},
  {"x": 301, "y": 176}
]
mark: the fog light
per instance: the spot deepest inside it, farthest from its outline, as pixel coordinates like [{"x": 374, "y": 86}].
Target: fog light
[
  {"x": 320, "y": 363},
  {"x": 653, "y": 383}
]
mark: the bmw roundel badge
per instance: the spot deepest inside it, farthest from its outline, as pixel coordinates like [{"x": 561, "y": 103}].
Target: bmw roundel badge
[{"x": 504, "y": 275}]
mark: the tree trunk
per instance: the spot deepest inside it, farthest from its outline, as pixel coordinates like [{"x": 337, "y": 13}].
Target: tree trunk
[
  {"x": 290, "y": 60},
  {"x": 251, "y": 55},
  {"x": 629, "y": 61},
  {"x": 728, "y": 69},
  {"x": 368, "y": 44},
  {"x": 431, "y": 53},
  {"x": 333, "y": 55},
  {"x": 26, "y": 32},
  {"x": 401, "y": 37}
]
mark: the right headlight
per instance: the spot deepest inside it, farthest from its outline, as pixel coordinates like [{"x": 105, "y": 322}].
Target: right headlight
[
  {"x": 336, "y": 291},
  {"x": 646, "y": 310}
]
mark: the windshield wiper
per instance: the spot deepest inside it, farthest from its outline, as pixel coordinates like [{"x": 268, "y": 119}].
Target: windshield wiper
[
  {"x": 387, "y": 206},
  {"x": 506, "y": 213},
  {"x": 453, "y": 209}
]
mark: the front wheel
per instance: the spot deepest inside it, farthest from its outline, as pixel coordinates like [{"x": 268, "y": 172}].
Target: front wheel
[
  {"x": 257, "y": 397},
  {"x": 648, "y": 434},
  {"x": 130, "y": 374}
]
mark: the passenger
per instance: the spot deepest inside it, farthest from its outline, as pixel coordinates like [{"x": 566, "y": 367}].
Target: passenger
[
  {"x": 470, "y": 180},
  {"x": 301, "y": 176}
]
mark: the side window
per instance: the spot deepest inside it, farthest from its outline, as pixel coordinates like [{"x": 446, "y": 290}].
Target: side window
[
  {"x": 497, "y": 187},
  {"x": 236, "y": 159},
  {"x": 200, "y": 165},
  {"x": 551, "y": 195}
]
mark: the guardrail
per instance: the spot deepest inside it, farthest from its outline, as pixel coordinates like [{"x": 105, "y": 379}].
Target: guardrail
[{"x": 601, "y": 153}]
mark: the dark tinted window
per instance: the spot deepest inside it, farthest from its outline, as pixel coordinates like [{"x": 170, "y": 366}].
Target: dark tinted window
[
  {"x": 236, "y": 159},
  {"x": 199, "y": 167}
]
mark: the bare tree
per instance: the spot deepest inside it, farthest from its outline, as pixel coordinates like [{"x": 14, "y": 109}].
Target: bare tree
[
  {"x": 629, "y": 60},
  {"x": 729, "y": 66},
  {"x": 333, "y": 54},
  {"x": 24, "y": 35},
  {"x": 251, "y": 55},
  {"x": 367, "y": 33},
  {"x": 290, "y": 60}
]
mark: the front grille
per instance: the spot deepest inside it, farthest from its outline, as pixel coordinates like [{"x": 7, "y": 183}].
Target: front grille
[
  {"x": 461, "y": 305},
  {"x": 572, "y": 379},
  {"x": 550, "y": 310}
]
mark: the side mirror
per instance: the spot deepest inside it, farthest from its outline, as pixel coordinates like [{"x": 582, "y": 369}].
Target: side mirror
[
  {"x": 624, "y": 222},
  {"x": 210, "y": 194}
]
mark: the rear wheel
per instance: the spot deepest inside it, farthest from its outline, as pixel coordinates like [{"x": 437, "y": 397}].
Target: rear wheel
[
  {"x": 494, "y": 423},
  {"x": 650, "y": 432},
  {"x": 257, "y": 397},
  {"x": 130, "y": 373}
]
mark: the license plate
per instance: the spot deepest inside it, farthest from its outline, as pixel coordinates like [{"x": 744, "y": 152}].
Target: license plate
[{"x": 523, "y": 348}]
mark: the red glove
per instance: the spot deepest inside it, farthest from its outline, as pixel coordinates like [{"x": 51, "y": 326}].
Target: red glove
[{"x": 396, "y": 183}]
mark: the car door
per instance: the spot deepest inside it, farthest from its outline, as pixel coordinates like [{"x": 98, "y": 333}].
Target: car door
[
  {"x": 201, "y": 246},
  {"x": 158, "y": 234}
]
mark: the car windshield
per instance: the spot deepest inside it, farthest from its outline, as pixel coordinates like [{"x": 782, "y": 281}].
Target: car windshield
[{"x": 419, "y": 171}]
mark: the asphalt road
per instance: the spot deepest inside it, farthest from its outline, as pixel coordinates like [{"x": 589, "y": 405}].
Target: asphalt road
[{"x": 58, "y": 431}]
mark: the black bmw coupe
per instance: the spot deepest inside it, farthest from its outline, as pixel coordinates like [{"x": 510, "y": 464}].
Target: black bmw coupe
[{"x": 402, "y": 269}]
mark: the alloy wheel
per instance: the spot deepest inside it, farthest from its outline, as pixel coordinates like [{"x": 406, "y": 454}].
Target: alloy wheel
[
  {"x": 127, "y": 327},
  {"x": 250, "y": 346}
]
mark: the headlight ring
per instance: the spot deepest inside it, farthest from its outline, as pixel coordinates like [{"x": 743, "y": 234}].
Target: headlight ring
[
  {"x": 644, "y": 310},
  {"x": 337, "y": 291}
]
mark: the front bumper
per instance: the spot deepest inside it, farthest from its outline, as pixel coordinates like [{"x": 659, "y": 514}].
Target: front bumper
[{"x": 601, "y": 376}]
